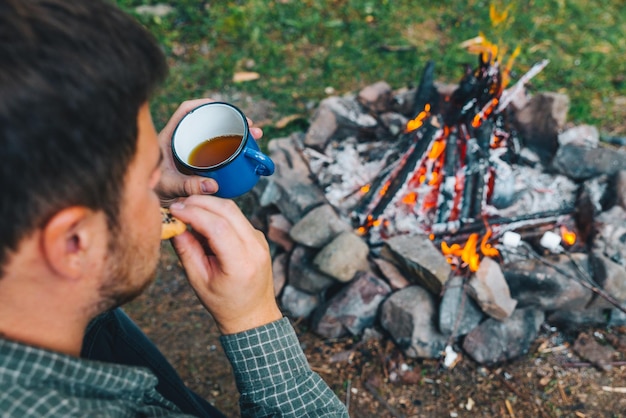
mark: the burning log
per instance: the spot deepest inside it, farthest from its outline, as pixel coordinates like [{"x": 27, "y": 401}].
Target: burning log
[
  {"x": 447, "y": 192},
  {"x": 377, "y": 199},
  {"x": 446, "y": 176}
]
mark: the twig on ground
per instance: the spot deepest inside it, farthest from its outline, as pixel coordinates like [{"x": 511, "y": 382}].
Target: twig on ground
[
  {"x": 587, "y": 364},
  {"x": 509, "y": 408}
]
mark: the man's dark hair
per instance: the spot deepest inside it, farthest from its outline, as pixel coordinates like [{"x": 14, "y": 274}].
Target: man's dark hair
[{"x": 73, "y": 75}]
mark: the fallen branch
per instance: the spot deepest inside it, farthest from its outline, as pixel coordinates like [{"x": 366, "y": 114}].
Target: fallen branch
[
  {"x": 614, "y": 390},
  {"x": 573, "y": 364}
]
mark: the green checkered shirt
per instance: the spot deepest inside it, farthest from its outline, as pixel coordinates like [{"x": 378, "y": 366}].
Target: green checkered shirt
[{"x": 270, "y": 368}]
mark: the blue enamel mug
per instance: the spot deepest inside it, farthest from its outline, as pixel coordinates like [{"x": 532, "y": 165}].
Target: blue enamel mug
[{"x": 214, "y": 140}]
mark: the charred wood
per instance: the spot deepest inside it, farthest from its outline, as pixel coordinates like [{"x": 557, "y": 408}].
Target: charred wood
[
  {"x": 505, "y": 223},
  {"x": 377, "y": 199},
  {"x": 426, "y": 92}
]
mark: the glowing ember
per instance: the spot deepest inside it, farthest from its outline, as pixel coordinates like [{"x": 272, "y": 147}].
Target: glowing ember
[
  {"x": 437, "y": 149},
  {"x": 410, "y": 199}
]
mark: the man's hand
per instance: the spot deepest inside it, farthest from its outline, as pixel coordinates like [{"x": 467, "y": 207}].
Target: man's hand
[
  {"x": 173, "y": 183},
  {"x": 228, "y": 263}
]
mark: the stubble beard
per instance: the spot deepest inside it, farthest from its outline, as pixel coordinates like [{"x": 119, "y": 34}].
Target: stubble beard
[{"x": 130, "y": 269}]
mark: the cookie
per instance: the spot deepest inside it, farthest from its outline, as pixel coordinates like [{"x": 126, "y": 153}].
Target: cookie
[{"x": 171, "y": 226}]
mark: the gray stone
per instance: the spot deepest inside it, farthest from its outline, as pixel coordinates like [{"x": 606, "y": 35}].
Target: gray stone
[
  {"x": 420, "y": 259},
  {"x": 409, "y": 317},
  {"x": 290, "y": 188},
  {"x": 322, "y": 128},
  {"x": 371, "y": 334},
  {"x": 268, "y": 192},
  {"x": 334, "y": 117},
  {"x": 575, "y": 319},
  {"x": 303, "y": 275},
  {"x": 376, "y": 97},
  {"x": 495, "y": 341},
  {"x": 289, "y": 163},
  {"x": 350, "y": 114},
  {"x": 394, "y": 122},
  {"x": 581, "y": 135},
  {"x": 404, "y": 101},
  {"x": 581, "y": 163},
  {"x": 610, "y": 230},
  {"x": 534, "y": 283},
  {"x": 278, "y": 231},
  {"x": 620, "y": 188},
  {"x": 279, "y": 272},
  {"x": 297, "y": 303},
  {"x": 393, "y": 275},
  {"x": 298, "y": 199},
  {"x": 591, "y": 199},
  {"x": 318, "y": 227},
  {"x": 541, "y": 120},
  {"x": 617, "y": 317},
  {"x": 458, "y": 313},
  {"x": 610, "y": 276},
  {"x": 343, "y": 257},
  {"x": 353, "y": 309},
  {"x": 489, "y": 288}
]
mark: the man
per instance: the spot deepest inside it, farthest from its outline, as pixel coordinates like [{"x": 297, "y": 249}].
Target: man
[{"x": 81, "y": 178}]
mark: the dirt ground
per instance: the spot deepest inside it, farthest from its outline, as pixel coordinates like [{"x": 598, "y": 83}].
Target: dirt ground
[{"x": 376, "y": 380}]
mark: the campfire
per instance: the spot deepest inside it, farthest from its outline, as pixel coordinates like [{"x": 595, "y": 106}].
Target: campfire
[{"x": 451, "y": 218}]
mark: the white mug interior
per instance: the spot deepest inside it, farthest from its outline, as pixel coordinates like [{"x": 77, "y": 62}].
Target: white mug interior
[{"x": 205, "y": 122}]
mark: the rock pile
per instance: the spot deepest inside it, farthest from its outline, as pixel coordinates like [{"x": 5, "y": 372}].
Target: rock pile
[{"x": 327, "y": 273}]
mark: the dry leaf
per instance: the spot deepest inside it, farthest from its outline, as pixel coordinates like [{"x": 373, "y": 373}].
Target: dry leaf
[
  {"x": 243, "y": 76},
  {"x": 287, "y": 120}
]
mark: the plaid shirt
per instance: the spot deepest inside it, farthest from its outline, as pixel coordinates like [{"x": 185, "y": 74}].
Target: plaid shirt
[{"x": 270, "y": 368}]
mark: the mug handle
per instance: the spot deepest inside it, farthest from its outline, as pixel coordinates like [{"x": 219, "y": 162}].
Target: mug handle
[{"x": 266, "y": 165}]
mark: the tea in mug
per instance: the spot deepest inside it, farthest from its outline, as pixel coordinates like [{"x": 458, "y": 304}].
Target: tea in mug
[{"x": 214, "y": 151}]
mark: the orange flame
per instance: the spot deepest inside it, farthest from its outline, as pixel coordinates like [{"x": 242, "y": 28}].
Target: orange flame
[
  {"x": 481, "y": 46},
  {"x": 414, "y": 124},
  {"x": 497, "y": 17},
  {"x": 568, "y": 236},
  {"x": 484, "y": 114},
  {"x": 506, "y": 74},
  {"x": 485, "y": 248},
  {"x": 468, "y": 253}
]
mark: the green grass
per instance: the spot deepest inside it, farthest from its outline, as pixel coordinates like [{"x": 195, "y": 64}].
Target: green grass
[{"x": 302, "y": 47}]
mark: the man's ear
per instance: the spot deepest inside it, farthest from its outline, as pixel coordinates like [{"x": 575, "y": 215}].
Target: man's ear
[{"x": 67, "y": 239}]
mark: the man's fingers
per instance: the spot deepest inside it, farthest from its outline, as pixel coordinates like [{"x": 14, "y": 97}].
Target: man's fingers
[
  {"x": 178, "y": 185},
  {"x": 216, "y": 220},
  {"x": 192, "y": 255}
]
